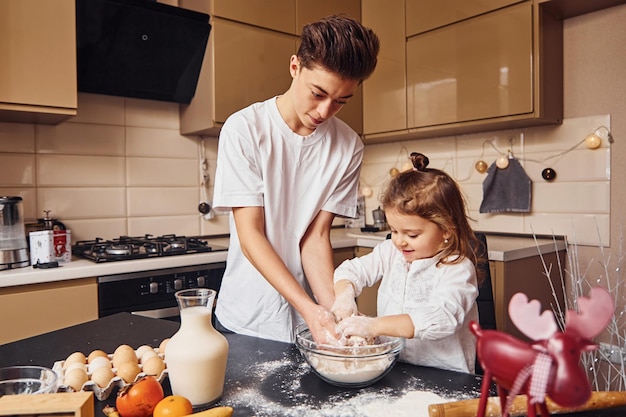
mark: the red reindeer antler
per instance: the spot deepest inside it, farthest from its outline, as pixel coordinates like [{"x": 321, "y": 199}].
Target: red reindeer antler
[
  {"x": 595, "y": 312},
  {"x": 527, "y": 318}
]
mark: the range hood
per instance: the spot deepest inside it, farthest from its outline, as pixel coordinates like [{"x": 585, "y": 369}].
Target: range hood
[{"x": 139, "y": 48}]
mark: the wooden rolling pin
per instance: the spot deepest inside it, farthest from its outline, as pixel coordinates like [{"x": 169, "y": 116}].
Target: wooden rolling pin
[{"x": 468, "y": 408}]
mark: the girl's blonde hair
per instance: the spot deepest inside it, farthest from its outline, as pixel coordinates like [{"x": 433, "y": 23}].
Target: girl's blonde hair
[{"x": 433, "y": 195}]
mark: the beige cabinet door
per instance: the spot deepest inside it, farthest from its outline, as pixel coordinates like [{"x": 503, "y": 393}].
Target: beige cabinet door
[
  {"x": 278, "y": 15},
  {"x": 384, "y": 93},
  {"x": 38, "y": 61},
  {"x": 34, "y": 309},
  {"x": 426, "y": 15},
  {"x": 477, "y": 69}
]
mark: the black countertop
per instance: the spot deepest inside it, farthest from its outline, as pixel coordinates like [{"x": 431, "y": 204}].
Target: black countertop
[{"x": 263, "y": 378}]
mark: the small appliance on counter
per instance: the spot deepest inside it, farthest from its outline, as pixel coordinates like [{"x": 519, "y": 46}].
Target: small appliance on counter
[
  {"x": 50, "y": 243},
  {"x": 13, "y": 246},
  {"x": 380, "y": 221},
  {"x": 44, "y": 223}
]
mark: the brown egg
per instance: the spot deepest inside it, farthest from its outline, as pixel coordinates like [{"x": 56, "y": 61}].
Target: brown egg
[
  {"x": 124, "y": 353},
  {"x": 75, "y": 378},
  {"x": 128, "y": 371},
  {"x": 154, "y": 366},
  {"x": 74, "y": 365},
  {"x": 162, "y": 346},
  {"x": 74, "y": 357},
  {"x": 96, "y": 354},
  {"x": 102, "y": 376}
]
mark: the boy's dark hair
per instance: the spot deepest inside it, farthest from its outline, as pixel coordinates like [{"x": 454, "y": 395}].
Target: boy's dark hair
[{"x": 341, "y": 45}]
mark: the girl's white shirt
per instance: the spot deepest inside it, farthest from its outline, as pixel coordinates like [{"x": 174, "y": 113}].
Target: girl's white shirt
[
  {"x": 441, "y": 302},
  {"x": 262, "y": 162}
]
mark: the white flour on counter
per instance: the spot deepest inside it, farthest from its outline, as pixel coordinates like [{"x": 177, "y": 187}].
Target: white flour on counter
[{"x": 412, "y": 401}]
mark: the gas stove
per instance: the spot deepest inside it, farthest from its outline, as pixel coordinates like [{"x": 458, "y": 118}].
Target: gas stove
[{"x": 147, "y": 246}]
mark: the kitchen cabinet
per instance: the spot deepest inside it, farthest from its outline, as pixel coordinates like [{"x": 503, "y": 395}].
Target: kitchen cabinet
[
  {"x": 526, "y": 275},
  {"x": 384, "y": 93},
  {"x": 247, "y": 60},
  {"x": 501, "y": 69},
  {"x": 29, "y": 310},
  {"x": 426, "y": 15},
  {"x": 495, "y": 64},
  {"x": 38, "y": 65}
]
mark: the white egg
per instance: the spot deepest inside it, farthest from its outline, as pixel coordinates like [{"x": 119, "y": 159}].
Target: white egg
[
  {"x": 99, "y": 362},
  {"x": 142, "y": 350}
]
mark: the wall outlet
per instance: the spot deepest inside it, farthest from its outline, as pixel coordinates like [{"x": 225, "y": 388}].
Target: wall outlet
[{"x": 613, "y": 353}]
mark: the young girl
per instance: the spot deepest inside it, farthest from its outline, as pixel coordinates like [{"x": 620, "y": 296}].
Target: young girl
[{"x": 429, "y": 285}]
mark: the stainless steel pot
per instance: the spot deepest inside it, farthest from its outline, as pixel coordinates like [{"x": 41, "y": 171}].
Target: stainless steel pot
[{"x": 13, "y": 246}]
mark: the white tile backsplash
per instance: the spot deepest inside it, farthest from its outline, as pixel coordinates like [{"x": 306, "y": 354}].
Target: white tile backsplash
[
  {"x": 99, "y": 109},
  {"x": 162, "y": 201},
  {"x": 164, "y": 143},
  {"x": 163, "y": 225},
  {"x": 152, "y": 113},
  {"x": 580, "y": 191},
  {"x": 17, "y": 137},
  {"x": 81, "y": 139},
  {"x": 81, "y": 170},
  {"x": 162, "y": 172},
  {"x": 82, "y": 203},
  {"x": 17, "y": 170}
]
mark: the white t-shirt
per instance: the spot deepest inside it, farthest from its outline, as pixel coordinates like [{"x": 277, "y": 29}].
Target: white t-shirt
[
  {"x": 262, "y": 162},
  {"x": 441, "y": 302}
]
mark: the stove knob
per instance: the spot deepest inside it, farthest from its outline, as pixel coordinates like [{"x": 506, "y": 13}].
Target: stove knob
[
  {"x": 178, "y": 284},
  {"x": 154, "y": 287},
  {"x": 201, "y": 281}
]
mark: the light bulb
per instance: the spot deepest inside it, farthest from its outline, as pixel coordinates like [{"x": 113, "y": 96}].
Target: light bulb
[
  {"x": 481, "y": 166},
  {"x": 367, "y": 192},
  {"x": 593, "y": 141},
  {"x": 502, "y": 162},
  {"x": 393, "y": 172},
  {"x": 406, "y": 166}
]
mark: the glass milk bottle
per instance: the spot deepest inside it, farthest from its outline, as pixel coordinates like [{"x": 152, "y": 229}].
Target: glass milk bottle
[{"x": 196, "y": 355}]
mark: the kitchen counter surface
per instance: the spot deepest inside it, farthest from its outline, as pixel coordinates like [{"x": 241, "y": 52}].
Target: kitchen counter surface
[
  {"x": 501, "y": 248},
  {"x": 263, "y": 377}
]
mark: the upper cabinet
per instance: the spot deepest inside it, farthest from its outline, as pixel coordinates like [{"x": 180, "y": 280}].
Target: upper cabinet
[
  {"x": 384, "y": 93},
  {"x": 426, "y": 15},
  {"x": 247, "y": 59},
  {"x": 501, "y": 68},
  {"x": 38, "y": 64}
]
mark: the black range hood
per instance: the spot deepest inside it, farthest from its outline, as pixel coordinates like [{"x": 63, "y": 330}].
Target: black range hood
[{"x": 139, "y": 48}]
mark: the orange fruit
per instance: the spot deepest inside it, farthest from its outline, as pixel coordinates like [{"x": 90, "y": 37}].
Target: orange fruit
[{"x": 173, "y": 406}]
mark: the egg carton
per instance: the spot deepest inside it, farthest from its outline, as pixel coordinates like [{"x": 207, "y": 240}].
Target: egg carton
[{"x": 99, "y": 392}]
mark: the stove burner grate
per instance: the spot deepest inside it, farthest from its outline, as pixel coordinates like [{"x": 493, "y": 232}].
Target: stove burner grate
[{"x": 147, "y": 246}]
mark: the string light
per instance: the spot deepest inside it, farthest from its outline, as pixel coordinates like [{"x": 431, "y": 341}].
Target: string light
[{"x": 591, "y": 141}]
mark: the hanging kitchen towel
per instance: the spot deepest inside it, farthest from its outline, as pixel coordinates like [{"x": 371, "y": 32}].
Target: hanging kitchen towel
[{"x": 506, "y": 190}]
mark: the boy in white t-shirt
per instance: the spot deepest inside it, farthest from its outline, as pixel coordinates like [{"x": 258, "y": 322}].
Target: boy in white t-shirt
[{"x": 285, "y": 168}]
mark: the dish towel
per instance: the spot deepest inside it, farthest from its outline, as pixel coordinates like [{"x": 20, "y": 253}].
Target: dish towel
[{"x": 506, "y": 190}]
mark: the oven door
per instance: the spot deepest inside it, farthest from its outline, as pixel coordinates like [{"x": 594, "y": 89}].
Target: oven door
[{"x": 151, "y": 293}]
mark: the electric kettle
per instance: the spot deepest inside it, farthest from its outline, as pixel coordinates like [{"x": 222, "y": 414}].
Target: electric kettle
[{"x": 13, "y": 246}]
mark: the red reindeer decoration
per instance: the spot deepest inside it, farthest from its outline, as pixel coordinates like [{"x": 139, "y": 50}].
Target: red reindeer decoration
[{"x": 549, "y": 365}]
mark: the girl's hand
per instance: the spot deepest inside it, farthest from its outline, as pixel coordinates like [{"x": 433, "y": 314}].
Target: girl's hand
[
  {"x": 345, "y": 301},
  {"x": 362, "y": 326}
]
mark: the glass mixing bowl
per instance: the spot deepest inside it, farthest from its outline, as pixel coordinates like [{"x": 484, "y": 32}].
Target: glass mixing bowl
[
  {"x": 349, "y": 366},
  {"x": 27, "y": 380}
]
